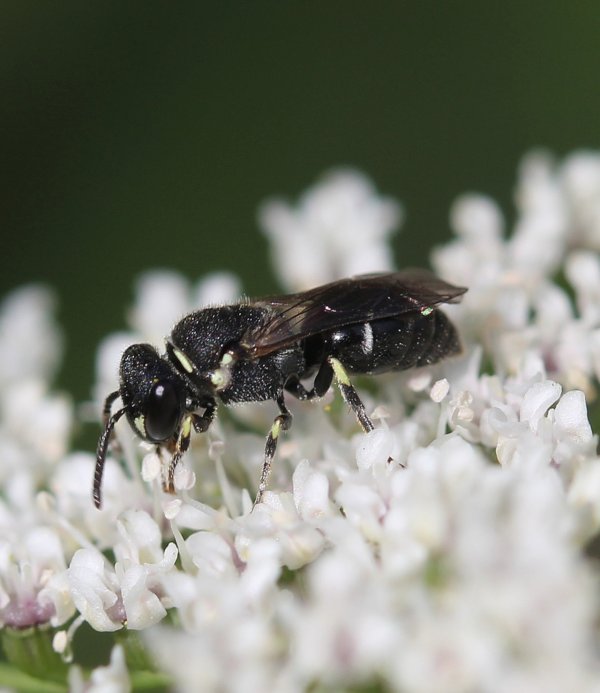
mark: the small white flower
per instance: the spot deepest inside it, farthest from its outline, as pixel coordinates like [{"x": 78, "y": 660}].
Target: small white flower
[
  {"x": 582, "y": 269},
  {"x": 439, "y": 390},
  {"x": 478, "y": 218},
  {"x": 151, "y": 467},
  {"x": 131, "y": 592},
  {"x": 580, "y": 176},
  {"x": 37, "y": 422},
  {"x": 340, "y": 228},
  {"x": 95, "y": 591},
  {"x": 311, "y": 492},
  {"x": 108, "y": 357},
  {"x": 277, "y": 517},
  {"x": 71, "y": 487},
  {"x": 162, "y": 299},
  {"x": 218, "y": 288},
  {"x": 30, "y": 342},
  {"x": 536, "y": 402}
]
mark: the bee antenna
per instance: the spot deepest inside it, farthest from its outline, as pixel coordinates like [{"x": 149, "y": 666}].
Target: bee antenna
[{"x": 101, "y": 455}]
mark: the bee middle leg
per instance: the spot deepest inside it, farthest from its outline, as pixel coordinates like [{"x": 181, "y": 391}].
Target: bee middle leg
[
  {"x": 200, "y": 422},
  {"x": 321, "y": 384},
  {"x": 282, "y": 422},
  {"x": 329, "y": 368}
]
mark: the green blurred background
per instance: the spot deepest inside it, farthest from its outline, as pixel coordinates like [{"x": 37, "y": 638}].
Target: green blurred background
[{"x": 137, "y": 135}]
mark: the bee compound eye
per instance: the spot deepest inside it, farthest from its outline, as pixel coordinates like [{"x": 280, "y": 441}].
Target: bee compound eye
[{"x": 163, "y": 411}]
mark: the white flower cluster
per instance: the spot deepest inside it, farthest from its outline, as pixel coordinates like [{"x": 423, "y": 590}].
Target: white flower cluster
[
  {"x": 34, "y": 429},
  {"x": 520, "y": 287},
  {"x": 340, "y": 228},
  {"x": 443, "y": 551}
]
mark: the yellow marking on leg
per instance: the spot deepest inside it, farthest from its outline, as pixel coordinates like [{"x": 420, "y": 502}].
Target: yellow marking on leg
[
  {"x": 275, "y": 429},
  {"x": 350, "y": 395},
  {"x": 181, "y": 446},
  {"x": 186, "y": 426},
  {"x": 339, "y": 371}
]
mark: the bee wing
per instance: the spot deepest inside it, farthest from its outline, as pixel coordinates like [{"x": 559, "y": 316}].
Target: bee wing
[{"x": 347, "y": 302}]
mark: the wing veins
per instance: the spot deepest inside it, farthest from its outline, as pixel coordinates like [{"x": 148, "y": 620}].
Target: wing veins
[{"x": 285, "y": 327}]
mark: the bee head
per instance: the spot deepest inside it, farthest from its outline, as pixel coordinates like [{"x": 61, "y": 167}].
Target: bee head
[
  {"x": 153, "y": 394},
  {"x": 153, "y": 397}
]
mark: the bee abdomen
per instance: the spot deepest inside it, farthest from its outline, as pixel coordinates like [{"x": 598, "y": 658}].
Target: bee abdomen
[{"x": 395, "y": 344}]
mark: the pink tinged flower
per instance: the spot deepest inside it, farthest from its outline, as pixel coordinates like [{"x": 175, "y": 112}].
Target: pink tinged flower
[
  {"x": 95, "y": 591},
  {"x": 32, "y": 588},
  {"x": 131, "y": 592}
]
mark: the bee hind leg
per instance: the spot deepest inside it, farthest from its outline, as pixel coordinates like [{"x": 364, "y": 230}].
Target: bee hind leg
[
  {"x": 352, "y": 399},
  {"x": 350, "y": 394}
]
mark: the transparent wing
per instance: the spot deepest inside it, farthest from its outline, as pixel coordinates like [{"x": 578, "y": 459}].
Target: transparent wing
[{"x": 347, "y": 302}]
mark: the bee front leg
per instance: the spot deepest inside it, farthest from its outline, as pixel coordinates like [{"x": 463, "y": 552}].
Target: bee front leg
[
  {"x": 108, "y": 402},
  {"x": 182, "y": 444},
  {"x": 200, "y": 422},
  {"x": 106, "y": 412},
  {"x": 102, "y": 450},
  {"x": 281, "y": 423}
]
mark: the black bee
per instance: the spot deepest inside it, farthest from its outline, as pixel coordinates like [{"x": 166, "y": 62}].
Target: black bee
[{"x": 257, "y": 350}]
